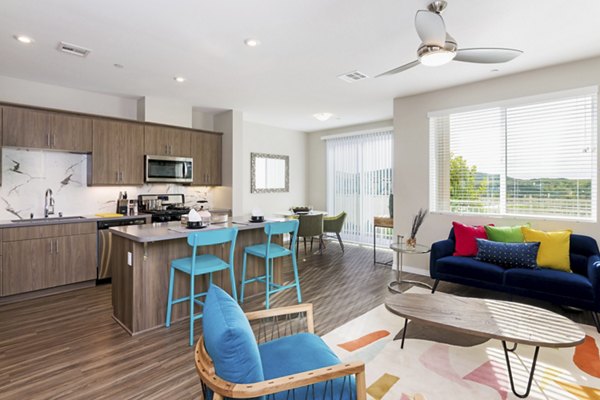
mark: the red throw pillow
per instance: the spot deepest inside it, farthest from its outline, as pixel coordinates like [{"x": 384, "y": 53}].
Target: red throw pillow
[{"x": 465, "y": 235}]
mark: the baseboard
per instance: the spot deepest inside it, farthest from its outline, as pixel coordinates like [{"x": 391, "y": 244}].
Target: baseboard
[{"x": 415, "y": 270}]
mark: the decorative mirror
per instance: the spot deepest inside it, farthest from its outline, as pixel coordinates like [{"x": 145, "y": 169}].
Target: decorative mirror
[{"x": 269, "y": 173}]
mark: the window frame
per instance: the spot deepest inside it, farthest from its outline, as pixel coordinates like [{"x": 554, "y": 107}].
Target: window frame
[{"x": 436, "y": 165}]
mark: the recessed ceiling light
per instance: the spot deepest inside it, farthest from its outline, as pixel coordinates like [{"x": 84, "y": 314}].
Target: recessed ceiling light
[
  {"x": 119, "y": 65},
  {"x": 323, "y": 116},
  {"x": 251, "y": 42},
  {"x": 494, "y": 70},
  {"x": 179, "y": 79},
  {"x": 23, "y": 39}
]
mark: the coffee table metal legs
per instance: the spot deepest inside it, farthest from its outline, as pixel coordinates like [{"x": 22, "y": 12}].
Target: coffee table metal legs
[
  {"x": 404, "y": 332},
  {"x": 399, "y": 281},
  {"x": 512, "y": 384}
]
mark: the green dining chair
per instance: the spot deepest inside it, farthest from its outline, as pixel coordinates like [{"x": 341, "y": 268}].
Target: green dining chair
[
  {"x": 311, "y": 226},
  {"x": 335, "y": 225}
]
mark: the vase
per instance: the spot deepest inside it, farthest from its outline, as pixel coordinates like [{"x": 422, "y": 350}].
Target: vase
[{"x": 411, "y": 243}]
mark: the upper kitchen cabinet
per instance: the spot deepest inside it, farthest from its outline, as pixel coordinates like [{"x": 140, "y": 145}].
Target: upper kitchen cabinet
[
  {"x": 117, "y": 153},
  {"x": 165, "y": 141},
  {"x": 206, "y": 150},
  {"x": 40, "y": 129}
]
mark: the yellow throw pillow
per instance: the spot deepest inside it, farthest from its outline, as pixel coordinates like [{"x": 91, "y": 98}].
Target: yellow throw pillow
[{"x": 554, "y": 247}]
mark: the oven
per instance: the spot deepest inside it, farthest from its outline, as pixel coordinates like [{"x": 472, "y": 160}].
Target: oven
[{"x": 169, "y": 169}]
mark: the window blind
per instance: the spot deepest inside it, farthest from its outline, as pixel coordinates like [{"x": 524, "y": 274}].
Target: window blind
[
  {"x": 535, "y": 158},
  {"x": 359, "y": 182}
]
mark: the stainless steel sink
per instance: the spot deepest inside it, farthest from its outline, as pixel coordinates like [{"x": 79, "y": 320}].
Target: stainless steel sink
[{"x": 49, "y": 219}]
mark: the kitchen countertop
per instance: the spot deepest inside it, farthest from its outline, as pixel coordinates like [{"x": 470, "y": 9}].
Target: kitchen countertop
[
  {"x": 157, "y": 232},
  {"x": 64, "y": 220}
]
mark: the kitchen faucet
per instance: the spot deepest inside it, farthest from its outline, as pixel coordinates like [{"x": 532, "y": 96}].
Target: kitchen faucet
[{"x": 48, "y": 203}]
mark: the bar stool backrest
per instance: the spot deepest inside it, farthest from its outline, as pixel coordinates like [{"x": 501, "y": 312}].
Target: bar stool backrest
[
  {"x": 279, "y": 228},
  {"x": 212, "y": 237}
]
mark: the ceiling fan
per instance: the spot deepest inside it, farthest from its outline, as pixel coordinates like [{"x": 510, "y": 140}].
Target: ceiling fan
[{"x": 439, "y": 48}]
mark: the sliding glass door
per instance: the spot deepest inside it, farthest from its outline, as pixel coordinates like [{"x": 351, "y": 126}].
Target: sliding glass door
[{"x": 359, "y": 182}]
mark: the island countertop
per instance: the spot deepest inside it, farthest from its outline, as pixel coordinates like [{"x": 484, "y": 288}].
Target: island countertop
[{"x": 157, "y": 232}]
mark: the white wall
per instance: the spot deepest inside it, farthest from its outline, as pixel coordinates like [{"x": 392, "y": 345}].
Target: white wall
[
  {"x": 43, "y": 95},
  {"x": 203, "y": 120},
  {"x": 260, "y": 138},
  {"x": 317, "y": 166},
  {"x": 411, "y": 145},
  {"x": 164, "y": 111}
]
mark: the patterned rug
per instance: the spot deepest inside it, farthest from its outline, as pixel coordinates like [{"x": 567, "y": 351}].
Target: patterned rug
[{"x": 439, "y": 364}]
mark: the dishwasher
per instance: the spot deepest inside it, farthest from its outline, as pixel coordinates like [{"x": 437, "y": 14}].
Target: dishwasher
[{"x": 105, "y": 244}]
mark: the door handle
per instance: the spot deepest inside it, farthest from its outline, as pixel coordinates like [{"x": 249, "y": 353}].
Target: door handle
[
  {"x": 50, "y": 243},
  {"x": 121, "y": 176},
  {"x": 48, "y": 138},
  {"x": 53, "y": 140},
  {"x": 56, "y": 246}
]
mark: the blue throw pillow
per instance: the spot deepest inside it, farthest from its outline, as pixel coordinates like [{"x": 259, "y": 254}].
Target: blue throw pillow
[
  {"x": 509, "y": 255},
  {"x": 229, "y": 339}
]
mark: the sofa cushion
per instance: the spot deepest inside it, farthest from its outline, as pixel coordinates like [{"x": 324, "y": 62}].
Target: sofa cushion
[
  {"x": 508, "y": 255},
  {"x": 554, "y": 248},
  {"x": 299, "y": 353},
  {"x": 465, "y": 235},
  {"x": 506, "y": 234},
  {"x": 550, "y": 281},
  {"x": 470, "y": 268},
  {"x": 229, "y": 339}
]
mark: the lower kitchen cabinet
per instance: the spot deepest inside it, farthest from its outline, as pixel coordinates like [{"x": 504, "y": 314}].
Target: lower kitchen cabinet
[{"x": 32, "y": 264}]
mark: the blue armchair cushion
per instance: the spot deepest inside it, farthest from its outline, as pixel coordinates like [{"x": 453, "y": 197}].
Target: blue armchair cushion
[
  {"x": 299, "y": 353},
  {"x": 229, "y": 339},
  {"x": 508, "y": 255}
]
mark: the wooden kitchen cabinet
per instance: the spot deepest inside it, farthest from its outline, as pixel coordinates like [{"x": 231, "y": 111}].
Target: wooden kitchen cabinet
[
  {"x": 165, "y": 141},
  {"x": 117, "y": 153},
  {"x": 207, "y": 153},
  {"x": 41, "y": 257},
  {"x": 40, "y": 129}
]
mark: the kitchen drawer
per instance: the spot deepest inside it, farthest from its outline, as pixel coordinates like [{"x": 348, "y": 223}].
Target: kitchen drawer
[{"x": 46, "y": 231}]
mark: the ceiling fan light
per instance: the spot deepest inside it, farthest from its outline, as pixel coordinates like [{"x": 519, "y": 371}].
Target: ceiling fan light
[{"x": 437, "y": 58}]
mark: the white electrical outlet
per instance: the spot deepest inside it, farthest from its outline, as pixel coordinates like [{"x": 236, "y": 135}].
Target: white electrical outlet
[{"x": 129, "y": 259}]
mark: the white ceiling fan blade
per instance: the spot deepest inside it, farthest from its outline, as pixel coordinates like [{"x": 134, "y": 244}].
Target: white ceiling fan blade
[
  {"x": 487, "y": 55},
  {"x": 400, "y": 68},
  {"x": 430, "y": 28}
]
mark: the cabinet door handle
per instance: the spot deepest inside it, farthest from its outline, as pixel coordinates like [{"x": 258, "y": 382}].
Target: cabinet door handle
[
  {"x": 48, "y": 138},
  {"x": 56, "y": 246},
  {"x": 121, "y": 176},
  {"x": 50, "y": 243},
  {"x": 117, "y": 174},
  {"x": 53, "y": 140}
]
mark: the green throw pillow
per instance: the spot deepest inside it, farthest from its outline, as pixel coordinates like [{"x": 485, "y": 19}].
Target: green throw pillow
[{"x": 506, "y": 234}]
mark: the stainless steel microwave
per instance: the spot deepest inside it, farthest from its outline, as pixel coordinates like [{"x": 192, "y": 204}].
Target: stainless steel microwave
[{"x": 169, "y": 169}]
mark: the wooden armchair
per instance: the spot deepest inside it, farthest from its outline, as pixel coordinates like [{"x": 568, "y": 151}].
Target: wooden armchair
[{"x": 269, "y": 388}]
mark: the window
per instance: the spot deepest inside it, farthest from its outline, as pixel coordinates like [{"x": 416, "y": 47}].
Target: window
[
  {"x": 528, "y": 157},
  {"x": 359, "y": 181}
]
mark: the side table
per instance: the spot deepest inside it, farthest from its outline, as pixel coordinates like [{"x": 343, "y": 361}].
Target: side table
[
  {"x": 381, "y": 222},
  {"x": 401, "y": 249}
]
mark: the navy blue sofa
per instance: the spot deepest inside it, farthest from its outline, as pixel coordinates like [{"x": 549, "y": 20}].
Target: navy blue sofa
[{"x": 579, "y": 289}]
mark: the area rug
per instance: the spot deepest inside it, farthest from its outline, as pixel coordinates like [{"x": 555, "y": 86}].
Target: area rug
[{"x": 438, "y": 364}]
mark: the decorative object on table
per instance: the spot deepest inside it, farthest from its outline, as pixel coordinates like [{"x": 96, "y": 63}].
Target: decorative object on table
[
  {"x": 335, "y": 225},
  {"x": 194, "y": 220},
  {"x": 269, "y": 173},
  {"x": 257, "y": 215},
  {"x": 391, "y": 205},
  {"x": 299, "y": 210},
  {"x": 417, "y": 221}
]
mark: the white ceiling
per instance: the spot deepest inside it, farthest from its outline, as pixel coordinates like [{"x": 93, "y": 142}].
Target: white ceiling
[{"x": 305, "y": 45}]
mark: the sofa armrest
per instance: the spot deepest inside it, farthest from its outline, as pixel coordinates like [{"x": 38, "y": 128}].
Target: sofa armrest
[
  {"x": 443, "y": 248},
  {"x": 593, "y": 272}
]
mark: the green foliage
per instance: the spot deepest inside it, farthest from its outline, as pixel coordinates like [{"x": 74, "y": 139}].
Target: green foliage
[{"x": 464, "y": 184}]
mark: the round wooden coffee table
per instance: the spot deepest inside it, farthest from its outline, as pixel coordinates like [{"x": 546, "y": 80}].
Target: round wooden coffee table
[{"x": 506, "y": 321}]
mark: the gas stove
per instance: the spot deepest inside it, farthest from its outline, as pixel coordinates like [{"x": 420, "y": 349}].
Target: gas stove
[{"x": 163, "y": 207}]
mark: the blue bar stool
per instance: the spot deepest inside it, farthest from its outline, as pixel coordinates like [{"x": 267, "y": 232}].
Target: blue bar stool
[
  {"x": 201, "y": 265},
  {"x": 269, "y": 251}
]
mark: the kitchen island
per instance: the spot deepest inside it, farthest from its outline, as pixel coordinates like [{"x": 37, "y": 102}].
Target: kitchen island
[{"x": 141, "y": 258}]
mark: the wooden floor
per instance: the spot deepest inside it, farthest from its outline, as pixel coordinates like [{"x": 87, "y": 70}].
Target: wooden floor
[{"x": 68, "y": 347}]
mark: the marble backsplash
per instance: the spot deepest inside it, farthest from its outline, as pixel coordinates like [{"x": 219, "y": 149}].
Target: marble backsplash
[{"x": 26, "y": 174}]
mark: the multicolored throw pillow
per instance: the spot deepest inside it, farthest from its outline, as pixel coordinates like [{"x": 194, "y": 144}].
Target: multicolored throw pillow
[
  {"x": 554, "y": 248},
  {"x": 465, "y": 235},
  {"x": 508, "y": 255}
]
